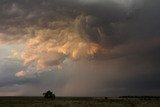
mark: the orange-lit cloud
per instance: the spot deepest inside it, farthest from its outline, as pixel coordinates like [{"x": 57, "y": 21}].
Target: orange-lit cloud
[
  {"x": 20, "y": 74},
  {"x": 48, "y": 47}
]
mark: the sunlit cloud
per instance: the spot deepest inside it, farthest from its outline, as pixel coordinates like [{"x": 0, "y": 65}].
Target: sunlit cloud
[
  {"x": 48, "y": 47},
  {"x": 20, "y": 74}
]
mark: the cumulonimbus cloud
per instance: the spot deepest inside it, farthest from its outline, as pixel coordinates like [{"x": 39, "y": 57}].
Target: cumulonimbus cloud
[
  {"x": 46, "y": 47},
  {"x": 51, "y": 34}
]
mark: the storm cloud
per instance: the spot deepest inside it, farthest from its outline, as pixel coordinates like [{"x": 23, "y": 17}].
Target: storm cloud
[{"x": 100, "y": 47}]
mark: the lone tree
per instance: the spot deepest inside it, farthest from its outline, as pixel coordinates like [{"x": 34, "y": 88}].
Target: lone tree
[{"x": 49, "y": 94}]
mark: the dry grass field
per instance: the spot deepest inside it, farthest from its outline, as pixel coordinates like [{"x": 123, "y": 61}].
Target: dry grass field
[{"x": 77, "y": 102}]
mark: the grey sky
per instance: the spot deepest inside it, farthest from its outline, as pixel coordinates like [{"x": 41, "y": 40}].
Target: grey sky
[{"x": 128, "y": 29}]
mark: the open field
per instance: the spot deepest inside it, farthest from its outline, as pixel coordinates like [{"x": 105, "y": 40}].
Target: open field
[{"x": 77, "y": 102}]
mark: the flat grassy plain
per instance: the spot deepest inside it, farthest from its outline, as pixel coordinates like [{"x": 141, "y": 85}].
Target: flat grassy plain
[{"x": 77, "y": 102}]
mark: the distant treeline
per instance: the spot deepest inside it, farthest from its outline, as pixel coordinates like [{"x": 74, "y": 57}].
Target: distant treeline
[{"x": 142, "y": 97}]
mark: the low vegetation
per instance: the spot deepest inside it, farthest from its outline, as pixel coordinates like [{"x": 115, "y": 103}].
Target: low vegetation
[
  {"x": 77, "y": 102},
  {"x": 49, "y": 94}
]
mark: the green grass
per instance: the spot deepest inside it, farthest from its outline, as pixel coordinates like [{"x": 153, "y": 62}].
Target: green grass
[{"x": 76, "y": 102}]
